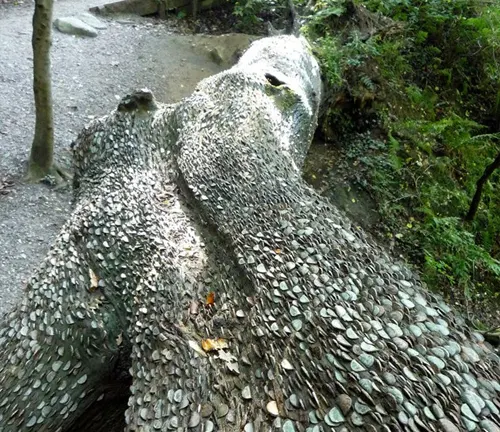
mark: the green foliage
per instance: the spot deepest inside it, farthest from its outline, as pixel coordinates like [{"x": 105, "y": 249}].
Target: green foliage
[
  {"x": 250, "y": 13},
  {"x": 326, "y": 11},
  {"x": 428, "y": 69},
  {"x": 331, "y": 59},
  {"x": 451, "y": 254},
  {"x": 246, "y": 11}
]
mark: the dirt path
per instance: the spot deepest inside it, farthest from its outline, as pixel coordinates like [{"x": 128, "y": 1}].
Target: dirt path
[{"x": 89, "y": 75}]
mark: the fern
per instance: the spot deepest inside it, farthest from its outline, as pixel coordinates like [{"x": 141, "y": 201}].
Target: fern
[{"x": 367, "y": 82}]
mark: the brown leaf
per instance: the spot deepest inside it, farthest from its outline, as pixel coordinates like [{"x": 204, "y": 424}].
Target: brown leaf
[
  {"x": 210, "y": 298},
  {"x": 214, "y": 344}
]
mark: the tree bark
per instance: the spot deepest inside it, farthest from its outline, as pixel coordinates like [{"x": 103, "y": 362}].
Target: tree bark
[
  {"x": 41, "y": 157},
  {"x": 313, "y": 327},
  {"x": 476, "y": 200}
]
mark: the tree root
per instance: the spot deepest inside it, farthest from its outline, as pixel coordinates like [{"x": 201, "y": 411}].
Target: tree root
[{"x": 57, "y": 177}]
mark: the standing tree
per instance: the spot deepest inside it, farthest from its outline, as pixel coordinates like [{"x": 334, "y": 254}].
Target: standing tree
[
  {"x": 474, "y": 205},
  {"x": 41, "y": 158}
]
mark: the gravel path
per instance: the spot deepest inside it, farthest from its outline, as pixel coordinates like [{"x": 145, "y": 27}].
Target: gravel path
[{"x": 89, "y": 75}]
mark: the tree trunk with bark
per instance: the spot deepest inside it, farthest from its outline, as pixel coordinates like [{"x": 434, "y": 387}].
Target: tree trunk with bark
[
  {"x": 41, "y": 157},
  {"x": 242, "y": 299},
  {"x": 476, "y": 199}
]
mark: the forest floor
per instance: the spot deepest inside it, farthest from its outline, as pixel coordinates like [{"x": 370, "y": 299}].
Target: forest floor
[{"x": 89, "y": 76}]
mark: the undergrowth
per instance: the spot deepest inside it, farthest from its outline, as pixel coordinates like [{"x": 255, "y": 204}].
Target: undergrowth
[
  {"x": 428, "y": 72},
  {"x": 254, "y": 14}
]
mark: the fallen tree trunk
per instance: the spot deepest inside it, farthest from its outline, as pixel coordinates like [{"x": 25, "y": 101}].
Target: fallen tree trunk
[{"x": 314, "y": 327}]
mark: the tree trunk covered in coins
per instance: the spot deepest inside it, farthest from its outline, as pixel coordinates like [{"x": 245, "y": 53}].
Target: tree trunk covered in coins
[
  {"x": 41, "y": 156},
  {"x": 242, "y": 299}
]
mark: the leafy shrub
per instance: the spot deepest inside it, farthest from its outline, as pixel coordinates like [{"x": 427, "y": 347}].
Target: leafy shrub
[
  {"x": 452, "y": 257},
  {"x": 428, "y": 71},
  {"x": 250, "y": 13}
]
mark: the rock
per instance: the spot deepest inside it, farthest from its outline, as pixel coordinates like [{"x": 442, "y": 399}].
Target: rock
[
  {"x": 215, "y": 56},
  {"x": 136, "y": 7},
  {"x": 92, "y": 21},
  {"x": 224, "y": 49},
  {"x": 74, "y": 26}
]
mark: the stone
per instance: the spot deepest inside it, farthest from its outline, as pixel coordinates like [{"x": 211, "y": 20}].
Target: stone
[
  {"x": 216, "y": 56},
  {"x": 476, "y": 404},
  {"x": 92, "y": 21},
  {"x": 448, "y": 426},
  {"x": 136, "y": 7},
  {"x": 225, "y": 49},
  {"x": 74, "y": 26}
]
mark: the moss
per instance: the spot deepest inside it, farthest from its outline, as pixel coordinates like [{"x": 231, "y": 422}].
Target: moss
[{"x": 283, "y": 96}]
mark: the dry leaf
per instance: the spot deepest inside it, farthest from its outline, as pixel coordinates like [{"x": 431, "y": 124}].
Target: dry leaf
[
  {"x": 196, "y": 347},
  {"x": 210, "y": 298},
  {"x": 214, "y": 344},
  {"x": 94, "y": 281},
  {"x": 278, "y": 251}
]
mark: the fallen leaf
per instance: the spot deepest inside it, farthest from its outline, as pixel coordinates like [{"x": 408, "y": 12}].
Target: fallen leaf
[
  {"x": 94, "y": 280},
  {"x": 210, "y": 298},
  {"x": 278, "y": 251},
  {"x": 196, "y": 347},
  {"x": 4, "y": 185},
  {"x": 214, "y": 344}
]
